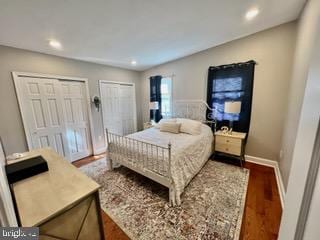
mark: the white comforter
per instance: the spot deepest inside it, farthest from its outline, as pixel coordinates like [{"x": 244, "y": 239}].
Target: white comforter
[{"x": 189, "y": 153}]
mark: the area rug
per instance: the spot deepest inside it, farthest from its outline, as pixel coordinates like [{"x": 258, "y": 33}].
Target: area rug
[{"x": 212, "y": 204}]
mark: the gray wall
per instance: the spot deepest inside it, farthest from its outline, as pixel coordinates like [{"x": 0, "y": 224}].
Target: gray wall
[
  {"x": 273, "y": 50},
  {"x": 306, "y": 35},
  {"x": 12, "y": 59}
]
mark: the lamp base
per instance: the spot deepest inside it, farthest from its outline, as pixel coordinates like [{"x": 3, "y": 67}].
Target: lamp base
[
  {"x": 154, "y": 116},
  {"x": 230, "y": 127}
]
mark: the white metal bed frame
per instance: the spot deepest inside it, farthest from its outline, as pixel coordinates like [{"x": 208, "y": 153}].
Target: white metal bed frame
[{"x": 150, "y": 160}]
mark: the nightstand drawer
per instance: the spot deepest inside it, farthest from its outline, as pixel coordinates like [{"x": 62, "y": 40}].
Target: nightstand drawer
[
  {"x": 228, "y": 148},
  {"x": 228, "y": 140}
]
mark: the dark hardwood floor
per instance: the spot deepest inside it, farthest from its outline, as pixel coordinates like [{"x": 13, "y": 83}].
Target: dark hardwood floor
[
  {"x": 263, "y": 210},
  {"x": 87, "y": 160},
  {"x": 263, "y": 207}
]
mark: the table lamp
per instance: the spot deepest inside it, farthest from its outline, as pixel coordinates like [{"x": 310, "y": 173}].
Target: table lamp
[
  {"x": 154, "y": 106},
  {"x": 233, "y": 107}
]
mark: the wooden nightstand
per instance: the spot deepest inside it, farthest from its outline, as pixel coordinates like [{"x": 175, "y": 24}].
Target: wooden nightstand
[
  {"x": 231, "y": 144},
  {"x": 147, "y": 125}
]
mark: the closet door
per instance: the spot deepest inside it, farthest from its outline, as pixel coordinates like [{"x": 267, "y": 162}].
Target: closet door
[
  {"x": 76, "y": 118},
  {"x": 118, "y": 107},
  {"x": 111, "y": 107},
  {"x": 43, "y": 115},
  {"x": 127, "y": 108}
]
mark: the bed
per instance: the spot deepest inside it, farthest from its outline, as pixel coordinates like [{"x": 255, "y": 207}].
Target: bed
[{"x": 167, "y": 158}]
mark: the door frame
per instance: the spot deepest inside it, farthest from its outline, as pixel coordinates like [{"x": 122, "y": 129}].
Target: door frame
[
  {"x": 134, "y": 96},
  {"x": 7, "y": 212},
  {"x": 16, "y": 79}
]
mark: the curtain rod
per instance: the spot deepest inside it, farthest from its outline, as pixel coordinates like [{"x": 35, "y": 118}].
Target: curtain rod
[
  {"x": 234, "y": 64},
  {"x": 164, "y": 76},
  {"x": 170, "y": 75}
]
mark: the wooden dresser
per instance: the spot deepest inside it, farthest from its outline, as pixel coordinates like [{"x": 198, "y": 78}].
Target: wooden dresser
[{"x": 63, "y": 202}]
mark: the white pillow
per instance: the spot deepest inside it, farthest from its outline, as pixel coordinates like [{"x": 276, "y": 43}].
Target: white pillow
[
  {"x": 189, "y": 126},
  {"x": 171, "y": 127},
  {"x": 165, "y": 120}
]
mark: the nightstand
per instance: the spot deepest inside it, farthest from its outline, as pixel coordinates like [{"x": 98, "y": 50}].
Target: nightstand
[
  {"x": 231, "y": 144},
  {"x": 147, "y": 125}
]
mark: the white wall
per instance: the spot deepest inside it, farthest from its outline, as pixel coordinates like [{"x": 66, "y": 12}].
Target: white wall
[
  {"x": 7, "y": 214},
  {"x": 312, "y": 230},
  {"x": 309, "y": 41},
  {"x": 273, "y": 50},
  {"x": 310, "y": 115},
  {"x": 12, "y": 59},
  {"x": 305, "y": 39}
]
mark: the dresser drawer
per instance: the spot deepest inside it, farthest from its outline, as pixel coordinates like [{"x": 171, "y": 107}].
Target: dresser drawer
[
  {"x": 228, "y": 148},
  {"x": 228, "y": 140}
]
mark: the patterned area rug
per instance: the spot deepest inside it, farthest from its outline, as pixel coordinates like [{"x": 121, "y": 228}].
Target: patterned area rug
[{"x": 212, "y": 204}]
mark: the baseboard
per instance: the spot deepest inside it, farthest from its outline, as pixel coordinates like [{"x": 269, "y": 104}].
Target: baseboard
[
  {"x": 281, "y": 188},
  {"x": 275, "y": 166},
  {"x": 97, "y": 151}
]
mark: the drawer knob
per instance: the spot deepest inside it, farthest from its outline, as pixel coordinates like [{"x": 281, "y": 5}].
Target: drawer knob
[
  {"x": 227, "y": 140},
  {"x": 227, "y": 149}
]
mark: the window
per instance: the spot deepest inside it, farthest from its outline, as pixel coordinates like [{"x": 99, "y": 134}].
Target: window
[
  {"x": 161, "y": 92},
  {"x": 166, "y": 97},
  {"x": 226, "y": 89},
  {"x": 231, "y": 83}
]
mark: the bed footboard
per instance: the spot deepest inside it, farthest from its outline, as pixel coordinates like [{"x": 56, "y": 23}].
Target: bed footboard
[{"x": 147, "y": 159}]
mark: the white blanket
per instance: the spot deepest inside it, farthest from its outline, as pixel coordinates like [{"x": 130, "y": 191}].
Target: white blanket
[{"x": 189, "y": 153}]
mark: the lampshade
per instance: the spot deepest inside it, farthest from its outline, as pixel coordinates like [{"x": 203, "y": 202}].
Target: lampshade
[
  {"x": 154, "y": 105},
  {"x": 232, "y": 107}
]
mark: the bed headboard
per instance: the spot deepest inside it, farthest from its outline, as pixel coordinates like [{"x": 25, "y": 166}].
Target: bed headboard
[{"x": 192, "y": 109}]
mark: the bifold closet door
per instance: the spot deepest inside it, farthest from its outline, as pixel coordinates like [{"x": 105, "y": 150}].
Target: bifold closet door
[
  {"x": 43, "y": 114},
  {"x": 55, "y": 115},
  {"x": 111, "y": 107},
  {"x": 127, "y": 108},
  {"x": 76, "y": 118},
  {"x": 118, "y": 107}
]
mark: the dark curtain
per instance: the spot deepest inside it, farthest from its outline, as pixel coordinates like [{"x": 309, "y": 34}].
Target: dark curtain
[
  {"x": 155, "y": 96},
  {"x": 233, "y": 82}
]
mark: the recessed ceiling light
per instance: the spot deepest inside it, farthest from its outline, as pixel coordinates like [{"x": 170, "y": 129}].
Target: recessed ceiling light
[
  {"x": 55, "y": 44},
  {"x": 252, "y": 13},
  {"x": 133, "y": 62}
]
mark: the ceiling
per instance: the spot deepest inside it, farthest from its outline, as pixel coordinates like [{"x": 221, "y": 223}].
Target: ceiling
[{"x": 151, "y": 32}]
